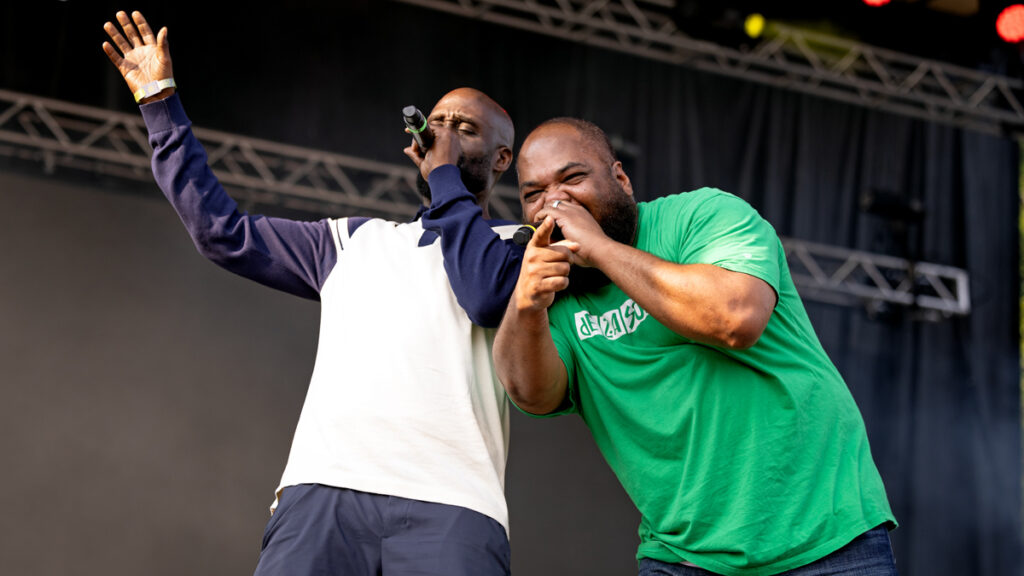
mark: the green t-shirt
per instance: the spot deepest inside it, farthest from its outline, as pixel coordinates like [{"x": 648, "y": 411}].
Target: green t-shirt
[{"x": 740, "y": 461}]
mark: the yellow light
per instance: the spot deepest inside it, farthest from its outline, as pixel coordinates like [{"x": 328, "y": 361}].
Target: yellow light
[{"x": 754, "y": 25}]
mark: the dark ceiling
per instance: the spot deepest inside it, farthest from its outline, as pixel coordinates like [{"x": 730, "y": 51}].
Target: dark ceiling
[
  {"x": 956, "y": 31},
  {"x": 41, "y": 42}
]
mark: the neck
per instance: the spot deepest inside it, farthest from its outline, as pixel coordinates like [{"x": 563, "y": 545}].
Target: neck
[{"x": 481, "y": 201}]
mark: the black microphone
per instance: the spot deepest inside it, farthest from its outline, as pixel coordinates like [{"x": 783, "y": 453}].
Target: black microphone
[
  {"x": 416, "y": 122},
  {"x": 525, "y": 232},
  {"x": 522, "y": 236}
]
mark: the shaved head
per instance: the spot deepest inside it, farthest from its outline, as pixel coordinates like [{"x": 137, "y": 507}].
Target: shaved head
[
  {"x": 591, "y": 133},
  {"x": 485, "y": 135},
  {"x": 500, "y": 121}
]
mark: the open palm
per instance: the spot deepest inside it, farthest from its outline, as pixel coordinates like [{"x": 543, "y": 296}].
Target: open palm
[{"x": 147, "y": 58}]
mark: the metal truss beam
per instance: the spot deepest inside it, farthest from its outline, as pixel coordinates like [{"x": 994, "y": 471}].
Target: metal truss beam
[
  {"x": 790, "y": 58},
  {"x": 60, "y": 134},
  {"x": 850, "y": 277},
  {"x": 256, "y": 171}
]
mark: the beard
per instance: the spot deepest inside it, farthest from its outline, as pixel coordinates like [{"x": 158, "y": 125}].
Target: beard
[
  {"x": 474, "y": 172},
  {"x": 618, "y": 220}
]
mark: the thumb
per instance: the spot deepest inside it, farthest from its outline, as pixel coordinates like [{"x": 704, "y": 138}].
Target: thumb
[
  {"x": 412, "y": 151},
  {"x": 161, "y": 42},
  {"x": 542, "y": 237}
]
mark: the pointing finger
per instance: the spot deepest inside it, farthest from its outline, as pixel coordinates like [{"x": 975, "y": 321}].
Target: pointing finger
[{"x": 542, "y": 237}]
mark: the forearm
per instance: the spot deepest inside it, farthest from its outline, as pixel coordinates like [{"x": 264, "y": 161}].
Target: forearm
[
  {"x": 702, "y": 302},
  {"x": 527, "y": 362},
  {"x": 481, "y": 267},
  {"x": 286, "y": 255}
]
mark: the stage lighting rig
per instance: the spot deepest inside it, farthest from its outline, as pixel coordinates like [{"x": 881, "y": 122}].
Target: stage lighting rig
[{"x": 1010, "y": 24}]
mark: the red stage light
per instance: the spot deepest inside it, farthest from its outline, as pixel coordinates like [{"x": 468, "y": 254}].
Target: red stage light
[
  {"x": 1010, "y": 23},
  {"x": 876, "y": 3}
]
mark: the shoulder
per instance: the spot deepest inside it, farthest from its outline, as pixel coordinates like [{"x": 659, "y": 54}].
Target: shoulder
[
  {"x": 360, "y": 229},
  {"x": 695, "y": 199},
  {"x": 504, "y": 228},
  {"x": 703, "y": 205}
]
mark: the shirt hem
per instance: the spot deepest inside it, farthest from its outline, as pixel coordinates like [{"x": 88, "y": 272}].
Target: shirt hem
[{"x": 803, "y": 559}]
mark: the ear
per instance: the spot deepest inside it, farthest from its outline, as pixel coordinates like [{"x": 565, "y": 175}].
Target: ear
[
  {"x": 502, "y": 159},
  {"x": 621, "y": 178}
]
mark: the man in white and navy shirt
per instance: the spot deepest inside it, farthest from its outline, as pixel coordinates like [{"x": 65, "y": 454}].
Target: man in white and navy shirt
[{"x": 398, "y": 461}]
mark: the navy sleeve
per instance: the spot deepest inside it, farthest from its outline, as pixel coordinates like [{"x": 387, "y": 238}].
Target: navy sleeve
[
  {"x": 481, "y": 267},
  {"x": 295, "y": 257}
]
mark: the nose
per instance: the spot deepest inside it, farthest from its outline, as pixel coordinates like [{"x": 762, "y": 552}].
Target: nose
[{"x": 554, "y": 194}]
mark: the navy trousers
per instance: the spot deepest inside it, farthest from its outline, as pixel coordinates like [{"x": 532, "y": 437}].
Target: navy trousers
[{"x": 321, "y": 530}]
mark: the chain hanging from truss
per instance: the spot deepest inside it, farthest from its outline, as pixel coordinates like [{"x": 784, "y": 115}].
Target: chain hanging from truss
[{"x": 791, "y": 58}]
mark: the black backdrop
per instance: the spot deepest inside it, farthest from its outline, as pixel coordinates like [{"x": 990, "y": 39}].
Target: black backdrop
[{"x": 941, "y": 399}]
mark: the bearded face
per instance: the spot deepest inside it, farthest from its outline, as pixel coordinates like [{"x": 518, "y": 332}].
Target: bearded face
[
  {"x": 474, "y": 171},
  {"x": 617, "y": 214}
]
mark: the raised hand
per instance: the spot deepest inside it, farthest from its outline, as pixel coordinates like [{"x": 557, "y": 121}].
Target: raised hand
[
  {"x": 446, "y": 149},
  {"x": 579, "y": 227},
  {"x": 146, "y": 58}
]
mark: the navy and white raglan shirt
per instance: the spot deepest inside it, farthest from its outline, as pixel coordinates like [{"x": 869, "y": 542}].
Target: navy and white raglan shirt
[{"x": 403, "y": 399}]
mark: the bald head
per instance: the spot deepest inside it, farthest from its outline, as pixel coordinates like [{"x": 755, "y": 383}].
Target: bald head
[
  {"x": 571, "y": 160},
  {"x": 591, "y": 135},
  {"x": 484, "y": 134},
  {"x": 493, "y": 115}
]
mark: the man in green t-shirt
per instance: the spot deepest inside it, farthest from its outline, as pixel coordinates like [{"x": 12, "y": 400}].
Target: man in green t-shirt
[{"x": 674, "y": 330}]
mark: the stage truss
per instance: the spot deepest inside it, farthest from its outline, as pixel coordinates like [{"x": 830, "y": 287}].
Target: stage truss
[
  {"x": 855, "y": 278},
  {"x": 789, "y": 58},
  {"x": 256, "y": 171},
  {"x": 58, "y": 134}
]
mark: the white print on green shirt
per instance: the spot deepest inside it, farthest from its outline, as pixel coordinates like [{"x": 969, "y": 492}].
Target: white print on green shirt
[{"x": 612, "y": 324}]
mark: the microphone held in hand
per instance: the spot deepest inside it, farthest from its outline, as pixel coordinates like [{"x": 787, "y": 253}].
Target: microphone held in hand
[
  {"x": 416, "y": 122},
  {"x": 525, "y": 232},
  {"x": 522, "y": 236}
]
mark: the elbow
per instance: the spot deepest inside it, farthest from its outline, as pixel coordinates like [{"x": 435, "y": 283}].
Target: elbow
[
  {"x": 741, "y": 339},
  {"x": 205, "y": 243},
  {"x": 484, "y": 304},
  {"x": 527, "y": 393},
  {"x": 484, "y": 314},
  {"x": 742, "y": 331},
  {"x": 210, "y": 247},
  {"x": 532, "y": 395},
  {"x": 736, "y": 329},
  {"x": 532, "y": 403},
  {"x": 483, "y": 301},
  {"x": 222, "y": 242}
]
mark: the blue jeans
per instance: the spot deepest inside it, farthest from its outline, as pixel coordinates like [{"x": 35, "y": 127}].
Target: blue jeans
[{"x": 870, "y": 554}]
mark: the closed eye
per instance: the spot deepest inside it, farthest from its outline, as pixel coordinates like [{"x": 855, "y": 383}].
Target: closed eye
[{"x": 531, "y": 195}]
